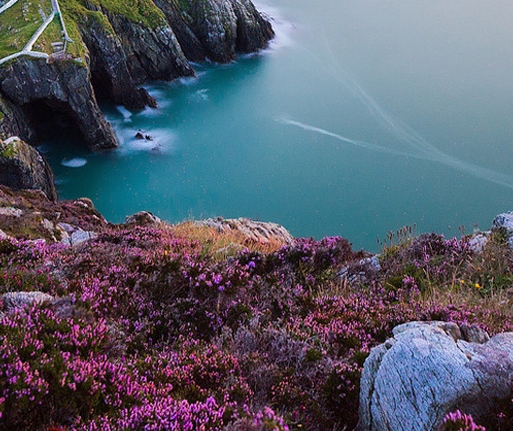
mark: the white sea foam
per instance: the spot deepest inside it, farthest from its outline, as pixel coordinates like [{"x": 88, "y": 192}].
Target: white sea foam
[
  {"x": 76, "y": 162},
  {"x": 156, "y": 141},
  {"x": 200, "y": 95},
  {"x": 283, "y": 29},
  {"x": 125, "y": 113}
]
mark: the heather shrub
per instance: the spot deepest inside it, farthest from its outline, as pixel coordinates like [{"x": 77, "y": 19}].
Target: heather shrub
[{"x": 458, "y": 421}]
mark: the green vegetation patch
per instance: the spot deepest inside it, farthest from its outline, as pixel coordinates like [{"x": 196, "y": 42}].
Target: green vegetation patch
[
  {"x": 19, "y": 23},
  {"x": 140, "y": 11},
  {"x": 8, "y": 150}
]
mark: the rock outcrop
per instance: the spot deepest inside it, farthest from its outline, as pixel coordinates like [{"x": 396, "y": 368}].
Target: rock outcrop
[
  {"x": 255, "y": 231},
  {"x": 39, "y": 89},
  {"x": 30, "y": 214},
  {"x": 142, "y": 218},
  {"x": 429, "y": 369},
  {"x": 23, "y": 167},
  {"x": 504, "y": 222}
]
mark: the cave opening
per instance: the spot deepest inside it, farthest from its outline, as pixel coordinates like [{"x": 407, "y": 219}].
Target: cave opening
[
  {"x": 102, "y": 85},
  {"x": 54, "y": 125}
]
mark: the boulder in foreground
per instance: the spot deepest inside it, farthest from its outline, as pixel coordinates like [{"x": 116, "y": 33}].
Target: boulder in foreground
[{"x": 429, "y": 369}]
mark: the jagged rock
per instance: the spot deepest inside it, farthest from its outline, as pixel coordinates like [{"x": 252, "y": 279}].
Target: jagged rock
[
  {"x": 73, "y": 235},
  {"x": 142, "y": 218},
  {"x": 16, "y": 300},
  {"x": 61, "y": 87},
  {"x": 150, "y": 53},
  {"x": 23, "y": 167},
  {"x": 109, "y": 69},
  {"x": 227, "y": 27},
  {"x": 120, "y": 50},
  {"x": 504, "y": 221},
  {"x": 478, "y": 241},
  {"x": 180, "y": 20},
  {"x": 256, "y": 231},
  {"x": 429, "y": 369}
]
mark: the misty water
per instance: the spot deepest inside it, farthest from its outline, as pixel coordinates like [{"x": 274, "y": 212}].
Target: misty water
[{"x": 362, "y": 117}]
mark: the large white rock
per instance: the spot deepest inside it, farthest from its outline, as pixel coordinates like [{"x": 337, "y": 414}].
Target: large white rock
[{"x": 429, "y": 369}]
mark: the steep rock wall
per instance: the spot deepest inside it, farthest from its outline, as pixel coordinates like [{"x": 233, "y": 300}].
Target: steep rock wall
[{"x": 63, "y": 87}]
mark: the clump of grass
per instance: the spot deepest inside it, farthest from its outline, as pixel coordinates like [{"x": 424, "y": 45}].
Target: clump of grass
[{"x": 223, "y": 244}]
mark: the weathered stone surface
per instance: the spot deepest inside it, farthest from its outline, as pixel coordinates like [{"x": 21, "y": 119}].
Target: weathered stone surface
[
  {"x": 109, "y": 69},
  {"x": 142, "y": 218},
  {"x": 150, "y": 54},
  {"x": 257, "y": 231},
  {"x": 29, "y": 214},
  {"x": 73, "y": 235},
  {"x": 227, "y": 27},
  {"x": 16, "y": 300},
  {"x": 361, "y": 270},
  {"x": 504, "y": 221},
  {"x": 429, "y": 369},
  {"x": 478, "y": 241},
  {"x": 62, "y": 87},
  {"x": 23, "y": 167}
]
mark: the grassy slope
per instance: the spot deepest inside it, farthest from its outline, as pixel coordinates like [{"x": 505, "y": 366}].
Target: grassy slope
[{"x": 22, "y": 20}]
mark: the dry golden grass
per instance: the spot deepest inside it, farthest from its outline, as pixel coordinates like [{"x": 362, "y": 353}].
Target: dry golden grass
[{"x": 223, "y": 244}]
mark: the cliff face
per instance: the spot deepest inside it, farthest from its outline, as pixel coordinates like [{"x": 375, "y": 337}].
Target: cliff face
[
  {"x": 120, "y": 46},
  {"x": 62, "y": 87},
  {"x": 23, "y": 167}
]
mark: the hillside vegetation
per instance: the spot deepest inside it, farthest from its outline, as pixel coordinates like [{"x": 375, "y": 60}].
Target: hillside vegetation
[{"x": 163, "y": 327}]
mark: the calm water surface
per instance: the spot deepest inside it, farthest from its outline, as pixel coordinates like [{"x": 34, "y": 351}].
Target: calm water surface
[{"x": 363, "y": 117}]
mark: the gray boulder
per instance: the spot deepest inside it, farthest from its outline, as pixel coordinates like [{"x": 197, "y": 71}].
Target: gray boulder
[
  {"x": 254, "y": 231},
  {"x": 16, "y": 300},
  {"x": 429, "y": 369},
  {"x": 143, "y": 218},
  {"x": 73, "y": 235},
  {"x": 504, "y": 221}
]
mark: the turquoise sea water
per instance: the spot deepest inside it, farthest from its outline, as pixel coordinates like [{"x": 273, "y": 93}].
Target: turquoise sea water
[{"x": 361, "y": 118}]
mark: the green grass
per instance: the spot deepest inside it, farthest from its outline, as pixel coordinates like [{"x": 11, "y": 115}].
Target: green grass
[
  {"x": 19, "y": 23},
  {"x": 22, "y": 20},
  {"x": 9, "y": 150},
  {"x": 143, "y": 12}
]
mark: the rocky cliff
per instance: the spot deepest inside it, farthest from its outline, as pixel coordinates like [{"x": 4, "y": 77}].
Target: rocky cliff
[
  {"x": 116, "y": 47},
  {"x": 23, "y": 167}
]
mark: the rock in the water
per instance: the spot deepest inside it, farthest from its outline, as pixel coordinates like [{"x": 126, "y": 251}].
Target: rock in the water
[
  {"x": 142, "y": 218},
  {"x": 23, "y": 167},
  {"x": 429, "y": 369},
  {"x": 16, "y": 300},
  {"x": 256, "y": 231}
]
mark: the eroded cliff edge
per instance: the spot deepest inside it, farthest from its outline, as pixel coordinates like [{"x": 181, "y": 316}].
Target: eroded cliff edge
[{"x": 116, "y": 47}]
